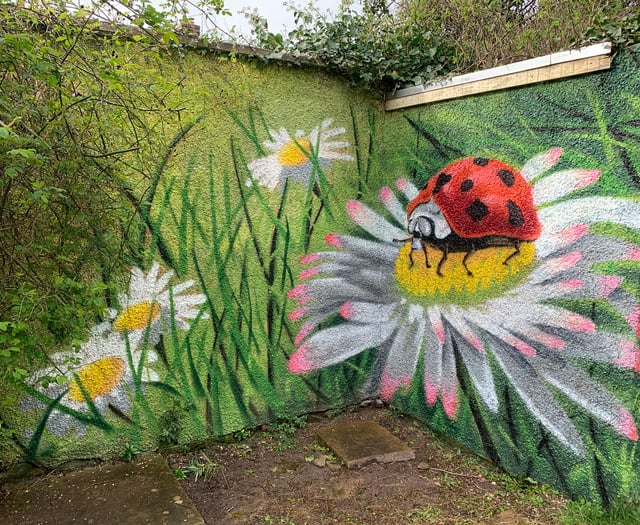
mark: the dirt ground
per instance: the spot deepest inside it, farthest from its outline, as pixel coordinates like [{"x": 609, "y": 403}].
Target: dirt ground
[{"x": 283, "y": 474}]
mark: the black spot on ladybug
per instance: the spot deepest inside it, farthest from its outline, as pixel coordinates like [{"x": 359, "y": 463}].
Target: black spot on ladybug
[
  {"x": 466, "y": 185},
  {"x": 516, "y": 218},
  {"x": 507, "y": 177},
  {"x": 480, "y": 161},
  {"x": 478, "y": 210},
  {"x": 443, "y": 179}
]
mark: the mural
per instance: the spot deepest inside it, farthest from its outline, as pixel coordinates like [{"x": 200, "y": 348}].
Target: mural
[
  {"x": 391, "y": 298},
  {"x": 474, "y": 263},
  {"x": 114, "y": 365},
  {"x": 298, "y": 159}
]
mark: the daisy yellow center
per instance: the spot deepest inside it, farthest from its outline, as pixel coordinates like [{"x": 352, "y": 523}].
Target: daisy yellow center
[
  {"x": 295, "y": 153},
  {"x": 490, "y": 273},
  {"x": 137, "y": 316},
  {"x": 97, "y": 379}
]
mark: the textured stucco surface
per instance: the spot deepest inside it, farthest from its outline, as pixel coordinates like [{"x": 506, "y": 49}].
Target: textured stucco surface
[{"x": 284, "y": 281}]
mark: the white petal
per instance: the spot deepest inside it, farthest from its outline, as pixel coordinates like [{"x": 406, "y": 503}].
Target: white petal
[
  {"x": 432, "y": 348},
  {"x": 363, "y": 312},
  {"x": 561, "y": 183},
  {"x": 479, "y": 370},
  {"x": 549, "y": 243},
  {"x": 489, "y": 325},
  {"x": 590, "y": 210},
  {"x": 541, "y": 163},
  {"x": 401, "y": 363},
  {"x": 335, "y": 344},
  {"x": 394, "y": 206},
  {"x": 368, "y": 250},
  {"x": 455, "y": 316},
  {"x": 162, "y": 282},
  {"x": 537, "y": 397},
  {"x": 266, "y": 171},
  {"x": 373, "y": 223},
  {"x": 449, "y": 385},
  {"x": 408, "y": 188},
  {"x": 587, "y": 393}
]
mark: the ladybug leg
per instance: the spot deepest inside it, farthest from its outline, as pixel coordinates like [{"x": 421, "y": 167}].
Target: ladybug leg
[
  {"x": 426, "y": 255},
  {"x": 516, "y": 245},
  {"x": 445, "y": 255},
  {"x": 466, "y": 257}
]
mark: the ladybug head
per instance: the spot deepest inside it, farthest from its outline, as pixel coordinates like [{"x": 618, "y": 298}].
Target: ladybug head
[{"x": 426, "y": 221}]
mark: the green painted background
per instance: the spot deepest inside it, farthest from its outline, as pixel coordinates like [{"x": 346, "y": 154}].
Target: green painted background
[{"x": 208, "y": 353}]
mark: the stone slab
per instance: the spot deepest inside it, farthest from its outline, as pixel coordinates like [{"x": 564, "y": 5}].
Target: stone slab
[
  {"x": 362, "y": 442},
  {"x": 142, "y": 492}
]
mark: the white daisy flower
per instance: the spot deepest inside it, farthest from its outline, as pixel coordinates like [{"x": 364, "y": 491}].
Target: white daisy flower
[
  {"x": 103, "y": 375},
  {"x": 297, "y": 159},
  {"x": 151, "y": 305},
  {"x": 488, "y": 302}
]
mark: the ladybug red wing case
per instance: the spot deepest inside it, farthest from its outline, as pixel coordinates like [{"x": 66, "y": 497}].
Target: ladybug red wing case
[{"x": 481, "y": 197}]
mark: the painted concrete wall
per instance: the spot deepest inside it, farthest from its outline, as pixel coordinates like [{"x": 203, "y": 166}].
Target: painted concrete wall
[{"x": 306, "y": 250}]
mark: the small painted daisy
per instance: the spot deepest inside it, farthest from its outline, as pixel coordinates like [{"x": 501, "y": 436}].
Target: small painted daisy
[
  {"x": 152, "y": 306},
  {"x": 298, "y": 159},
  {"x": 102, "y": 375}
]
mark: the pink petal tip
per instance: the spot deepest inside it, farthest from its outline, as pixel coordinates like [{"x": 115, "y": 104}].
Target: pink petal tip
[
  {"x": 311, "y": 272},
  {"x": 524, "y": 348},
  {"x": 431, "y": 393},
  {"x": 401, "y": 184},
  {"x": 357, "y": 211},
  {"x": 346, "y": 310},
  {"x": 333, "y": 239},
  {"x": 627, "y": 426},
  {"x": 577, "y": 323},
  {"x": 438, "y": 330},
  {"x": 588, "y": 177},
  {"x": 450, "y": 403},
  {"x": 298, "y": 362},
  {"x": 571, "y": 284},
  {"x": 607, "y": 284},
  {"x": 388, "y": 387},
  {"x": 634, "y": 320},
  {"x": 632, "y": 253},
  {"x": 551, "y": 341},
  {"x": 386, "y": 194},
  {"x": 309, "y": 258},
  {"x": 553, "y": 155},
  {"x": 569, "y": 260},
  {"x": 475, "y": 342},
  {"x": 298, "y": 291},
  {"x": 306, "y": 329},
  {"x": 297, "y": 314},
  {"x": 630, "y": 356}
]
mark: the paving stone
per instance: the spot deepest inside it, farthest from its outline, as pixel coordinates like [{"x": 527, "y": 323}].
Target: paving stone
[
  {"x": 142, "y": 492},
  {"x": 359, "y": 443}
]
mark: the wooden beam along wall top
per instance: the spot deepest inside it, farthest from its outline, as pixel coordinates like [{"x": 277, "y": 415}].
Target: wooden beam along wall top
[{"x": 542, "y": 69}]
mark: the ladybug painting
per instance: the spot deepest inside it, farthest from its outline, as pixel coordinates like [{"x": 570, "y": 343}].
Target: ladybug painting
[{"x": 472, "y": 204}]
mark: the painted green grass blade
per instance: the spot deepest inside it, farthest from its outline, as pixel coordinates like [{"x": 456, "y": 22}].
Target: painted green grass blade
[
  {"x": 164, "y": 387},
  {"x": 80, "y": 416},
  {"x": 256, "y": 379},
  {"x": 155, "y": 227},
  {"x": 34, "y": 442},
  {"x": 249, "y": 130},
  {"x": 144, "y": 204}
]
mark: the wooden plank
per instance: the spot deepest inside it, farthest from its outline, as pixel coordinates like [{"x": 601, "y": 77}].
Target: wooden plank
[
  {"x": 603, "y": 48},
  {"x": 520, "y": 78}
]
